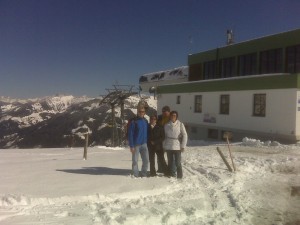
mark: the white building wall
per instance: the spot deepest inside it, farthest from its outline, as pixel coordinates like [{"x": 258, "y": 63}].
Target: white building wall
[
  {"x": 281, "y": 110},
  {"x": 298, "y": 114}
]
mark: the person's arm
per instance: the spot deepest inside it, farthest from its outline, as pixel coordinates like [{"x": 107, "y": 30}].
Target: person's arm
[
  {"x": 131, "y": 136},
  {"x": 184, "y": 136}
]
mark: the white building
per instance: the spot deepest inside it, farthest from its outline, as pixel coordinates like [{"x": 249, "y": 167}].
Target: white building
[{"x": 250, "y": 89}]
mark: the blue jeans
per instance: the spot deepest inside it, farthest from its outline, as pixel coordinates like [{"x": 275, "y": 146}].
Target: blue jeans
[
  {"x": 174, "y": 157},
  {"x": 143, "y": 150}
]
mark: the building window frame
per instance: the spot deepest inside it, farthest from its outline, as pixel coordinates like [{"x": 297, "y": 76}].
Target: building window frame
[
  {"x": 194, "y": 130},
  {"x": 259, "y": 105},
  {"x": 227, "y": 66},
  {"x": 292, "y": 59},
  {"x": 195, "y": 72},
  {"x": 213, "y": 133},
  {"x": 271, "y": 61},
  {"x": 209, "y": 70},
  {"x": 198, "y": 104},
  {"x": 224, "y": 104},
  {"x": 247, "y": 64}
]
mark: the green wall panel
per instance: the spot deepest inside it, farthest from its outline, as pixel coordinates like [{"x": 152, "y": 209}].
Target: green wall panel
[
  {"x": 237, "y": 84},
  {"x": 280, "y": 40}
]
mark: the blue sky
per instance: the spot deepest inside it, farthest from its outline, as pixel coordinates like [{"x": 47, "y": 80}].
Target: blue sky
[{"x": 82, "y": 47}]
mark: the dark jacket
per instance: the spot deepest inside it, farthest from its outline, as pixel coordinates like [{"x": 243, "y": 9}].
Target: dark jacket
[{"x": 155, "y": 135}]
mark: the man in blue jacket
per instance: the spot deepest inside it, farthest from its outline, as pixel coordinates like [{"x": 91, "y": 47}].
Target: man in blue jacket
[{"x": 137, "y": 137}]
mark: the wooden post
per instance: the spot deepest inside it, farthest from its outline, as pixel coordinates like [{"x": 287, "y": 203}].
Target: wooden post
[
  {"x": 122, "y": 142},
  {"x": 86, "y": 146},
  {"x": 228, "y": 135},
  {"x": 71, "y": 141},
  {"x": 113, "y": 120},
  {"x": 224, "y": 159}
]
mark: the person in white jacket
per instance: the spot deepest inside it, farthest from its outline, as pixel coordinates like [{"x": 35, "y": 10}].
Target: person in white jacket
[{"x": 174, "y": 143}]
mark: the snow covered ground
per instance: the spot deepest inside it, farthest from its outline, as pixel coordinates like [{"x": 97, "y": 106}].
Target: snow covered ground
[{"x": 56, "y": 186}]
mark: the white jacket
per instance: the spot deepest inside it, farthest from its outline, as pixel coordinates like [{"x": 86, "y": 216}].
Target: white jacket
[{"x": 172, "y": 132}]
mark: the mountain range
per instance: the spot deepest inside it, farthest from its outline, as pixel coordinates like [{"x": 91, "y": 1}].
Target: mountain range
[{"x": 62, "y": 121}]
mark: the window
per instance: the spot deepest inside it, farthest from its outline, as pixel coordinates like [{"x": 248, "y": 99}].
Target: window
[
  {"x": 195, "y": 72},
  {"x": 198, "y": 103},
  {"x": 212, "y": 133},
  {"x": 178, "y": 99},
  {"x": 209, "y": 70},
  {"x": 228, "y": 67},
  {"x": 259, "y": 106},
  {"x": 271, "y": 61},
  {"x": 224, "y": 104},
  {"x": 293, "y": 59},
  {"x": 248, "y": 64},
  {"x": 194, "y": 130}
]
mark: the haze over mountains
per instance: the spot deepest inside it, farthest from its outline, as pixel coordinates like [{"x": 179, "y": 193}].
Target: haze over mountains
[{"x": 59, "y": 121}]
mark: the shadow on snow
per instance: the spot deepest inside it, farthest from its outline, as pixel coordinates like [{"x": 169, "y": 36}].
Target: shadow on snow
[{"x": 98, "y": 171}]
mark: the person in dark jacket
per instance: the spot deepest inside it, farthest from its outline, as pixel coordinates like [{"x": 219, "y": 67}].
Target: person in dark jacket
[
  {"x": 155, "y": 139},
  {"x": 161, "y": 121}
]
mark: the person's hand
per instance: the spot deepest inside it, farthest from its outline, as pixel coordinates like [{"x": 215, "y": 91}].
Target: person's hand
[
  {"x": 132, "y": 150},
  {"x": 182, "y": 149}
]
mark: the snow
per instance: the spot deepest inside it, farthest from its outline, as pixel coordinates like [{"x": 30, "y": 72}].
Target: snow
[
  {"x": 56, "y": 186},
  {"x": 176, "y": 73},
  {"x": 152, "y": 80},
  {"x": 59, "y": 103}
]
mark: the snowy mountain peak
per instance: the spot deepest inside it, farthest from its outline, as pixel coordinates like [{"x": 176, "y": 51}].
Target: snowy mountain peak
[
  {"x": 52, "y": 121},
  {"x": 59, "y": 103}
]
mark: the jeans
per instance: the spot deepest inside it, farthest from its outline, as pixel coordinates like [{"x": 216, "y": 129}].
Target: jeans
[
  {"x": 160, "y": 161},
  {"x": 143, "y": 150},
  {"x": 174, "y": 157}
]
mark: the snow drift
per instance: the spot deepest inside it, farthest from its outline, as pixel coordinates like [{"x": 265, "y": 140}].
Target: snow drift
[{"x": 55, "y": 186}]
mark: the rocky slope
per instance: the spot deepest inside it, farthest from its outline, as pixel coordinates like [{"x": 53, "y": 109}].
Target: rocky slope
[{"x": 61, "y": 121}]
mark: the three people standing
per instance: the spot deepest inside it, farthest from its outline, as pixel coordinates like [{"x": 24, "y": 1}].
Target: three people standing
[{"x": 145, "y": 139}]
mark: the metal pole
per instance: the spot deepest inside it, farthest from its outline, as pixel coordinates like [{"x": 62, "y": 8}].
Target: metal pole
[
  {"x": 122, "y": 122},
  {"x": 113, "y": 124},
  {"x": 86, "y": 146}
]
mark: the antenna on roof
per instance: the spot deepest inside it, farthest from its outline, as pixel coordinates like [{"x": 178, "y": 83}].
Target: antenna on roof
[
  {"x": 190, "y": 43},
  {"x": 230, "y": 39}
]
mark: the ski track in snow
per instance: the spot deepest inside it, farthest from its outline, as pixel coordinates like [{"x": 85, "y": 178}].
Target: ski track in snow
[{"x": 208, "y": 194}]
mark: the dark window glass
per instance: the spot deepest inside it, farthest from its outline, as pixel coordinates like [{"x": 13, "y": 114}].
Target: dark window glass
[
  {"x": 259, "y": 105},
  {"x": 212, "y": 133},
  {"x": 195, "y": 72},
  {"x": 248, "y": 64},
  {"x": 194, "y": 130},
  {"x": 209, "y": 70},
  {"x": 293, "y": 59},
  {"x": 271, "y": 61},
  {"x": 224, "y": 104},
  {"x": 228, "y": 67},
  {"x": 198, "y": 103}
]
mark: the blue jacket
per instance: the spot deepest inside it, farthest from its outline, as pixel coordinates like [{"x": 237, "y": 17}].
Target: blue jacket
[{"x": 138, "y": 132}]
